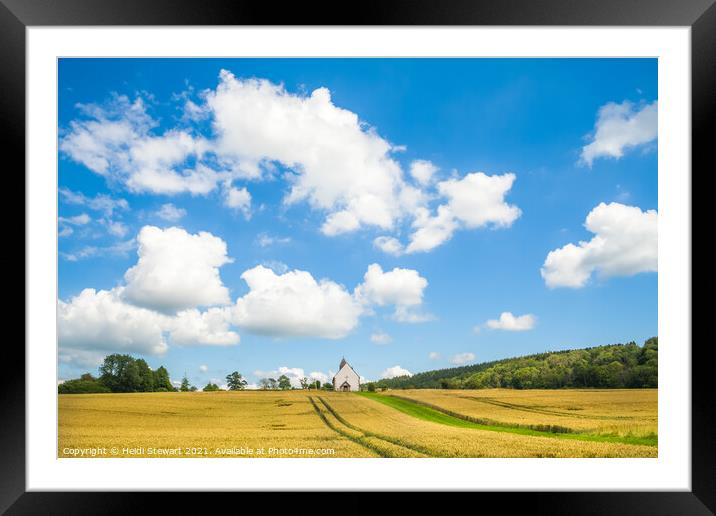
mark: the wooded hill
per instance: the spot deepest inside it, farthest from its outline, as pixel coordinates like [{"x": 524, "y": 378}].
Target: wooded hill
[{"x": 611, "y": 366}]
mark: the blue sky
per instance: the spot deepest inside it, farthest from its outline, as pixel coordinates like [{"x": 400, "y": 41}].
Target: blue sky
[{"x": 266, "y": 163}]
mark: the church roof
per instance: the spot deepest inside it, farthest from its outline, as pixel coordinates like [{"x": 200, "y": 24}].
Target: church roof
[{"x": 345, "y": 363}]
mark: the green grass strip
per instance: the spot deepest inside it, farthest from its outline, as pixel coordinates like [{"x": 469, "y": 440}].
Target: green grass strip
[{"x": 420, "y": 411}]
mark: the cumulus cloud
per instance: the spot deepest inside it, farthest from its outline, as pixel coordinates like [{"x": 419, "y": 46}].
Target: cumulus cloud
[
  {"x": 462, "y": 358},
  {"x": 381, "y": 338},
  {"x": 318, "y": 375},
  {"x": 422, "y": 171},
  {"x": 434, "y": 355},
  {"x": 177, "y": 270},
  {"x": 84, "y": 359},
  {"x": 389, "y": 245},
  {"x": 103, "y": 321},
  {"x": 209, "y": 328},
  {"x": 474, "y": 201},
  {"x": 625, "y": 243},
  {"x": 97, "y": 322},
  {"x": 397, "y": 287},
  {"x": 203, "y": 368},
  {"x": 295, "y": 304},
  {"x": 509, "y": 322},
  {"x": 286, "y": 303},
  {"x": 395, "y": 371},
  {"x": 238, "y": 199},
  {"x": 620, "y": 127},
  {"x": 294, "y": 374},
  {"x": 402, "y": 288},
  {"x": 116, "y": 141},
  {"x": 330, "y": 158},
  {"x": 171, "y": 213},
  {"x": 340, "y": 165}
]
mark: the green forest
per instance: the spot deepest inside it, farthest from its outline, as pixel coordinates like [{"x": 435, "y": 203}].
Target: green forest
[{"x": 612, "y": 366}]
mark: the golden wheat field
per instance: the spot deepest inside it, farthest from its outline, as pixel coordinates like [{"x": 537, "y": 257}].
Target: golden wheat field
[
  {"x": 620, "y": 412},
  {"x": 486, "y": 423}
]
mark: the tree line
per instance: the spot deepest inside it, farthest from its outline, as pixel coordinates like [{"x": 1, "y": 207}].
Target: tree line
[
  {"x": 124, "y": 373},
  {"x": 609, "y": 367},
  {"x": 283, "y": 383}
]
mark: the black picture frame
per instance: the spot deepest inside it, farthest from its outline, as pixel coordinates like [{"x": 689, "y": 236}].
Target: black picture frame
[{"x": 700, "y": 15}]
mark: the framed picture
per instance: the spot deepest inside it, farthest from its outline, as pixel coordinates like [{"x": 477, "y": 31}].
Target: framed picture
[{"x": 425, "y": 248}]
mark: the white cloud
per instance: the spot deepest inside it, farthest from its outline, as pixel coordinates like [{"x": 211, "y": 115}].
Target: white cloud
[
  {"x": 409, "y": 314},
  {"x": 509, "y": 322},
  {"x": 381, "y": 338},
  {"x": 397, "y": 287},
  {"x": 238, "y": 199},
  {"x": 177, "y": 270},
  {"x": 478, "y": 200},
  {"x": 294, "y": 374},
  {"x": 318, "y": 375},
  {"x": 431, "y": 231},
  {"x": 292, "y": 303},
  {"x": 474, "y": 201},
  {"x": 330, "y": 158},
  {"x": 389, "y": 245},
  {"x": 275, "y": 265},
  {"x": 102, "y": 321},
  {"x": 295, "y": 304},
  {"x": 266, "y": 240},
  {"x": 80, "y": 358},
  {"x": 395, "y": 371},
  {"x": 620, "y": 127},
  {"x": 209, "y": 328},
  {"x": 462, "y": 358},
  {"x": 203, "y": 368},
  {"x": 625, "y": 243},
  {"x": 422, "y": 171},
  {"x": 341, "y": 166},
  {"x": 77, "y": 220},
  {"x": 118, "y": 249},
  {"x": 115, "y": 141},
  {"x": 115, "y": 228},
  {"x": 402, "y": 288},
  {"x": 98, "y": 322},
  {"x": 101, "y": 202},
  {"x": 65, "y": 231},
  {"x": 170, "y": 213},
  {"x": 434, "y": 355}
]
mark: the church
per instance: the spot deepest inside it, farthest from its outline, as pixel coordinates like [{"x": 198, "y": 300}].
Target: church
[{"x": 346, "y": 379}]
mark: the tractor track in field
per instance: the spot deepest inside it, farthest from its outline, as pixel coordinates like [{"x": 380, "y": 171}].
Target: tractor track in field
[
  {"x": 552, "y": 431},
  {"x": 363, "y": 436},
  {"x": 547, "y": 412},
  {"x": 383, "y": 437}
]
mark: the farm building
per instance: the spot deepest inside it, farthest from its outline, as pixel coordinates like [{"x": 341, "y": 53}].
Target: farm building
[{"x": 346, "y": 379}]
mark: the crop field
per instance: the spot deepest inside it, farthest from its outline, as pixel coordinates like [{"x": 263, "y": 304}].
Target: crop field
[
  {"x": 405, "y": 423},
  {"x": 630, "y": 413}
]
